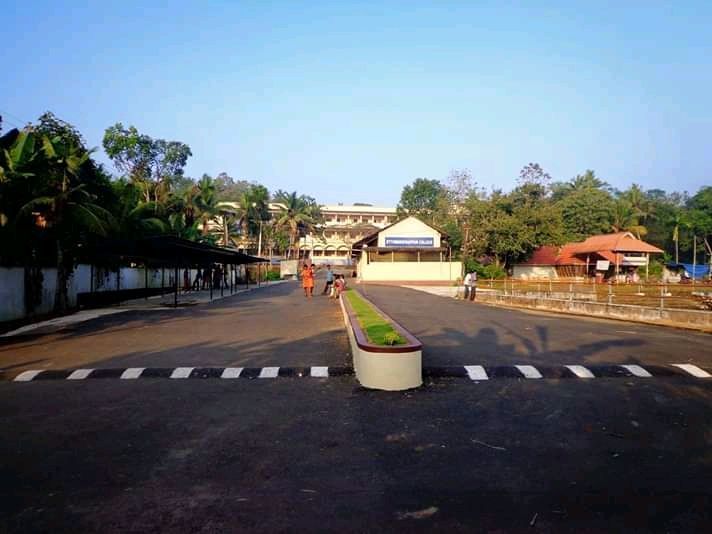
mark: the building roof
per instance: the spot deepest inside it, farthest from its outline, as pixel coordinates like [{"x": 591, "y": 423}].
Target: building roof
[
  {"x": 605, "y": 246},
  {"x": 373, "y": 236},
  {"x": 618, "y": 242},
  {"x": 357, "y": 209},
  {"x": 544, "y": 255}
]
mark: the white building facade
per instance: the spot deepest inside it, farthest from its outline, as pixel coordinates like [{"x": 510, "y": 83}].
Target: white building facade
[{"x": 343, "y": 226}]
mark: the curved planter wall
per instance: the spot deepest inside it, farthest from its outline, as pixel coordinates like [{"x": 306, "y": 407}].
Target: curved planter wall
[{"x": 380, "y": 367}]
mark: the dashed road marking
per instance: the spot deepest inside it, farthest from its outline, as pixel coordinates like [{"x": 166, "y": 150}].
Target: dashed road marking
[
  {"x": 472, "y": 372},
  {"x": 529, "y": 371},
  {"x": 319, "y": 372},
  {"x": 26, "y": 376},
  {"x": 269, "y": 372},
  {"x": 182, "y": 372},
  {"x": 132, "y": 373},
  {"x": 580, "y": 371},
  {"x": 80, "y": 374},
  {"x": 637, "y": 370},
  {"x": 476, "y": 372},
  {"x": 231, "y": 372},
  {"x": 693, "y": 370}
]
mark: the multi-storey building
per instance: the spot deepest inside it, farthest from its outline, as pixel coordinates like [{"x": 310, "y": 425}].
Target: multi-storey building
[{"x": 343, "y": 225}]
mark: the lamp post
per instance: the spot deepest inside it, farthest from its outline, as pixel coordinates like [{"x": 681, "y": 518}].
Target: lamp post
[{"x": 259, "y": 239}]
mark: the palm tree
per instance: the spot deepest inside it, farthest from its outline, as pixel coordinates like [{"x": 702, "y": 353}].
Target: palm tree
[
  {"x": 625, "y": 219},
  {"x": 206, "y": 202},
  {"x": 587, "y": 180},
  {"x": 296, "y": 215},
  {"x": 65, "y": 209}
]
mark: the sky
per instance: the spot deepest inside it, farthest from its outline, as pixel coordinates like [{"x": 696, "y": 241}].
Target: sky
[{"x": 350, "y": 101}]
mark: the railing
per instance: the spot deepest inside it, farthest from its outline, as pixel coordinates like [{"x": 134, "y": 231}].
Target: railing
[{"x": 657, "y": 295}]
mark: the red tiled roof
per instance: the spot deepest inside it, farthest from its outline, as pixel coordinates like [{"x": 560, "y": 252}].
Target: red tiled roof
[
  {"x": 598, "y": 246},
  {"x": 618, "y": 242},
  {"x": 567, "y": 257},
  {"x": 545, "y": 255}
]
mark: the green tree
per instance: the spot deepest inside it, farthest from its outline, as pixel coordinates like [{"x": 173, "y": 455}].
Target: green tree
[
  {"x": 586, "y": 206},
  {"x": 152, "y": 164},
  {"x": 296, "y": 216},
  {"x": 65, "y": 208},
  {"x": 422, "y": 198}
]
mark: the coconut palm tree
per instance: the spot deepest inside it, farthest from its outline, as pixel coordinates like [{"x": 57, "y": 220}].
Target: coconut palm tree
[
  {"x": 205, "y": 200},
  {"x": 65, "y": 208},
  {"x": 625, "y": 219},
  {"x": 296, "y": 215}
]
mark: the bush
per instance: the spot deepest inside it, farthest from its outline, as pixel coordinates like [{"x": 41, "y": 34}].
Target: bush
[
  {"x": 272, "y": 276},
  {"x": 485, "y": 271}
]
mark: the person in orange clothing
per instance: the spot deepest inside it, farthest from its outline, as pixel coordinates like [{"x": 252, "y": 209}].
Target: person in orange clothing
[{"x": 308, "y": 280}]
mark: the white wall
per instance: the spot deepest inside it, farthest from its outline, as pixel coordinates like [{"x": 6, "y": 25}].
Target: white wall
[
  {"x": 535, "y": 272},
  {"x": 12, "y": 286},
  {"x": 409, "y": 227},
  {"x": 399, "y": 271}
]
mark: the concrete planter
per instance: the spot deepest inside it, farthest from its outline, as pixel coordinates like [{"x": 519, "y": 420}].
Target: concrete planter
[{"x": 389, "y": 368}]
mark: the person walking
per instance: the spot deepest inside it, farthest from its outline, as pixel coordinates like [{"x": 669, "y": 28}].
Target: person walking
[
  {"x": 470, "y": 284},
  {"x": 473, "y": 285},
  {"x": 308, "y": 280},
  {"x": 329, "y": 280},
  {"x": 198, "y": 280}
]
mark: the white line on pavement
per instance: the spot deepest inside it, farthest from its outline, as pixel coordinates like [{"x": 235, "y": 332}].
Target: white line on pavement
[
  {"x": 80, "y": 374},
  {"x": 26, "y": 376},
  {"x": 269, "y": 372},
  {"x": 476, "y": 372},
  {"x": 637, "y": 370},
  {"x": 181, "y": 372},
  {"x": 580, "y": 371},
  {"x": 231, "y": 372},
  {"x": 320, "y": 372},
  {"x": 529, "y": 371},
  {"x": 132, "y": 373},
  {"x": 693, "y": 370}
]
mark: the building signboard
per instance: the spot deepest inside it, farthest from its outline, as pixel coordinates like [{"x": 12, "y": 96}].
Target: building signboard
[
  {"x": 410, "y": 241},
  {"x": 602, "y": 265}
]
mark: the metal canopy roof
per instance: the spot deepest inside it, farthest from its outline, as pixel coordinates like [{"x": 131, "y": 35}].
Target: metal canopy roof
[{"x": 169, "y": 251}]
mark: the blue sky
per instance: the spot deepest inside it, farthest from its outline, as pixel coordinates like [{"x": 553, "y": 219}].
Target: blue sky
[{"x": 350, "y": 101}]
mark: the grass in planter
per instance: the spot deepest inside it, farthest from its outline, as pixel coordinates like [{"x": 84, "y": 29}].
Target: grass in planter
[{"x": 378, "y": 330}]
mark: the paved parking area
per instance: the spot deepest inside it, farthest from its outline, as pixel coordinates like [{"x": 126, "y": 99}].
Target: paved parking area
[
  {"x": 242, "y": 415},
  {"x": 324, "y": 454},
  {"x": 456, "y": 332},
  {"x": 271, "y": 326}
]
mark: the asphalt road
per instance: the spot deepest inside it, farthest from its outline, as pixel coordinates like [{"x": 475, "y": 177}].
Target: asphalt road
[
  {"x": 456, "y": 332},
  {"x": 322, "y": 454},
  {"x": 268, "y": 326}
]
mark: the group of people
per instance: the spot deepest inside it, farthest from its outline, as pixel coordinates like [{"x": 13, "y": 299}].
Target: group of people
[
  {"x": 335, "y": 283},
  {"x": 205, "y": 278}
]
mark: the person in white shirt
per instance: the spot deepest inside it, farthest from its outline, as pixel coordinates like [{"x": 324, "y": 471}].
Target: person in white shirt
[{"x": 470, "y": 285}]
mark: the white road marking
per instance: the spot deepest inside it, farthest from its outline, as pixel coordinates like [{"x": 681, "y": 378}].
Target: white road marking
[
  {"x": 693, "y": 370},
  {"x": 231, "y": 372},
  {"x": 80, "y": 374},
  {"x": 529, "y": 371},
  {"x": 181, "y": 372},
  {"x": 269, "y": 372},
  {"x": 26, "y": 376},
  {"x": 476, "y": 372},
  {"x": 637, "y": 370},
  {"x": 580, "y": 371},
  {"x": 320, "y": 372},
  {"x": 132, "y": 373}
]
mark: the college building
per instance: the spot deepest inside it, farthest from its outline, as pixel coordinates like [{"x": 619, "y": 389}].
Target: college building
[
  {"x": 408, "y": 250},
  {"x": 343, "y": 226}
]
